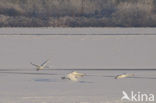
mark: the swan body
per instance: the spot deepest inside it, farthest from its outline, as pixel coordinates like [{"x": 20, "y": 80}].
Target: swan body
[
  {"x": 73, "y": 76},
  {"x": 123, "y": 76}
]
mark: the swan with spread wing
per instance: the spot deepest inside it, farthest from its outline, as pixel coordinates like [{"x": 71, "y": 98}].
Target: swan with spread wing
[{"x": 42, "y": 66}]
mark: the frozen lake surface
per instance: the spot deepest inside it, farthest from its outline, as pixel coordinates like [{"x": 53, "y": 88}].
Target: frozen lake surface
[
  {"x": 47, "y": 86},
  {"x": 90, "y": 54}
]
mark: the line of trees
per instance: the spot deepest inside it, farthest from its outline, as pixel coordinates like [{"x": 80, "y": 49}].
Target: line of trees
[{"x": 78, "y": 13}]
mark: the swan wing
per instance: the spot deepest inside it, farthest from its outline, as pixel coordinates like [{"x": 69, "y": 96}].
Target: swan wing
[
  {"x": 35, "y": 65},
  {"x": 44, "y": 63}
]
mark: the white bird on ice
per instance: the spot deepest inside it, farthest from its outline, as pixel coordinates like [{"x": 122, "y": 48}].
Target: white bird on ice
[
  {"x": 74, "y": 76},
  {"x": 123, "y": 76}
]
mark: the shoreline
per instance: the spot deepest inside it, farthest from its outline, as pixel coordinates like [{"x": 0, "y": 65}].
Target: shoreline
[{"x": 77, "y": 31}]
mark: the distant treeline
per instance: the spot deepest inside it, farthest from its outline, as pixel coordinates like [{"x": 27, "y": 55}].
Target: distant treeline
[{"x": 78, "y": 13}]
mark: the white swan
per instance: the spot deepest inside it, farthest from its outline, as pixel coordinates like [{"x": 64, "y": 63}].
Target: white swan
[
  {"x": 78, "y": 74},
  {"x": 123, "y": 76},
  {"x": 74, "y": 76},
  {"x": 42, "y": 66}
]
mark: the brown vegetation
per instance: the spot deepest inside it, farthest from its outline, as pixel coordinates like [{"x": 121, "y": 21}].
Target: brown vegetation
[{"x": 77, "y": 13}]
